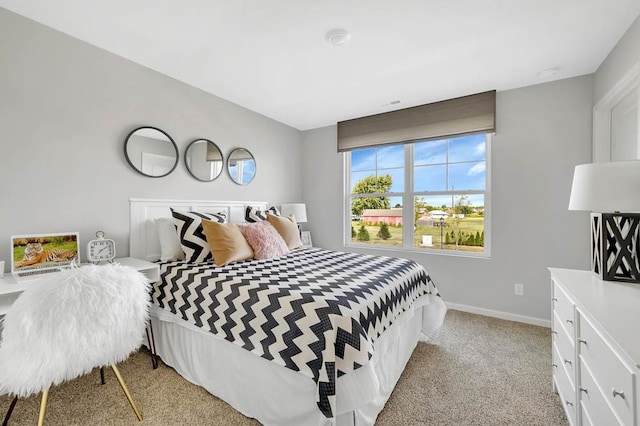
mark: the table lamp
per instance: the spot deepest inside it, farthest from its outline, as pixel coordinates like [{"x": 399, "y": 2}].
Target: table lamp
[
  {"x": 611, "y": 192},
  {"x": 298, "y": 210}
]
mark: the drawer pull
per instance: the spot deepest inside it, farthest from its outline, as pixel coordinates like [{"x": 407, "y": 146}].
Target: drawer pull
[
  {"x": 554, "y": 332},
  {"x": 583, "y": 390},
  {"x": 554, "y": 365},
  {"x": 569, "y": 321},
  {"x": 554, "y": 299},
  {"x": 569, "y": 403},
  {"x": 582, "y": 341},
  {"x": 566, "y": 361},
  {"x": 616, "y": 393}
]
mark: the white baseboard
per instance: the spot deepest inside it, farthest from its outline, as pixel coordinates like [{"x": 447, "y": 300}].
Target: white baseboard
[{"x": 499, "y": 314}]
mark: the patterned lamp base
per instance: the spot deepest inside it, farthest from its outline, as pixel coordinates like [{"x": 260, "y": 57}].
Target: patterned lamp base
[{"x": 615, "y": 243}]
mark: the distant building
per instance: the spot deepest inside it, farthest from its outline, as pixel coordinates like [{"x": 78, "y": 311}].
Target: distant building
[
  {"x": 437, "y": 214},
  {"x": 388, "y": 216}
]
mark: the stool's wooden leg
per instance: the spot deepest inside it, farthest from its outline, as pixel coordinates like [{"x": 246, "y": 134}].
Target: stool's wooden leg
[
  {"x": 102, "y": 381},
  {"x": 43, "y": 407},
  {"x": 152, "y": 345},
  {"x": 11, "y": 407},
  {"x": 126, "y": 391}
]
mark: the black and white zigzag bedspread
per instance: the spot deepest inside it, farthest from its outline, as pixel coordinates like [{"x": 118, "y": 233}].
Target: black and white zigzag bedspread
[{"x": 314, "y": 311}]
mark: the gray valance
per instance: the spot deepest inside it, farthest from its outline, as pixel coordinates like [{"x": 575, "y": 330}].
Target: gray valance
[{"x": 454, "y": 117}]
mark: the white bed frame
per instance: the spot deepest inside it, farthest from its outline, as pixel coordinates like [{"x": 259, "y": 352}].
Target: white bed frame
[{"x": 258, "y": 388}]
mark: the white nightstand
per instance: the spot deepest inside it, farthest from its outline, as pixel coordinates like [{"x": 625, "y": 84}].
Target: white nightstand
[
  {"x": 149, "y": 269},
  {"x": 152, "y": 272}
]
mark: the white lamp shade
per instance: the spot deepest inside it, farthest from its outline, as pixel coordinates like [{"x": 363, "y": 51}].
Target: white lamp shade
[
  {"x": 298, "y": 210},
  {"x": 606, "y": 187}
]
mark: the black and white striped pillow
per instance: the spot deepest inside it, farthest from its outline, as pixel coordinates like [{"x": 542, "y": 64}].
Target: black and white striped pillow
[
  {"x": 192, "y": 238},
  {"x": 253, "y": 214}
]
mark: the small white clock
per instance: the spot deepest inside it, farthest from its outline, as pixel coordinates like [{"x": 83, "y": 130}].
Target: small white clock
[{"x": 101, "y": 249}]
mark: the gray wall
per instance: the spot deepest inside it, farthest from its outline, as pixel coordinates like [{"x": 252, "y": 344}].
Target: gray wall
[
  {"x": 623, "y": 56},
  {"x": 543, "y": 132},
  {"x": 65, "y": 109}
]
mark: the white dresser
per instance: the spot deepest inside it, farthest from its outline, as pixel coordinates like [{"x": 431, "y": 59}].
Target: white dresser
[{"x": 596, "y": 348}]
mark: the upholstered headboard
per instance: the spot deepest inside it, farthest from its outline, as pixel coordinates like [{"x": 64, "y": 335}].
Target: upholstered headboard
[{"x": 143, "y": 235}]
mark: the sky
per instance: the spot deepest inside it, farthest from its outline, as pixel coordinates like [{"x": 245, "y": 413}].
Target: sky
[{"x": 444, "y": 165}]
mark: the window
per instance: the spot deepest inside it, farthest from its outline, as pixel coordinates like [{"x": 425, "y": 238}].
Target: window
[{"x": 439, "y": 188}]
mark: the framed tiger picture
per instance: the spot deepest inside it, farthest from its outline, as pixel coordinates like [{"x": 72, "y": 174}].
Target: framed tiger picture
[{"x": 35, "y": 254}]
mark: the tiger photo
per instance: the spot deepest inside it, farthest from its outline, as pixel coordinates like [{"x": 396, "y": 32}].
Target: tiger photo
[{"x": 35, "y": 254}]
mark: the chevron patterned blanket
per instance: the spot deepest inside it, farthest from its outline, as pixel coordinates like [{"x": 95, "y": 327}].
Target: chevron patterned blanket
[{"x": 314, "y": 311}]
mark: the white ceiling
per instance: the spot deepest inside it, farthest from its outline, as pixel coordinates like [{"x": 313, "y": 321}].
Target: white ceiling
[{"x": 270, "y": 56}]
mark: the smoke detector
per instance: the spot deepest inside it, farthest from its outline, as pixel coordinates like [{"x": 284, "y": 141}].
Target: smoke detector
[{"x": 338, "y": 37}]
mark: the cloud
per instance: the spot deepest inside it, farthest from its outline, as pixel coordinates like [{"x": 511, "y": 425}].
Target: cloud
[
  {"x": 481, "y": 148},
  {"x": 477, "y": 169}
]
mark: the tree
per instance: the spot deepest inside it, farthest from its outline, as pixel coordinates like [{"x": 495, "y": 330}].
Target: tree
[
  {"x": 384, "y": 231},
  {"x": 363, "y": 234},
  {"x": 419, "y": 207},
  {"x": 461, "y": 202},
  {"x": 463, "y": 206},
  {"x": 353, "y": 232},
  {"x": 371, "y": 185}
]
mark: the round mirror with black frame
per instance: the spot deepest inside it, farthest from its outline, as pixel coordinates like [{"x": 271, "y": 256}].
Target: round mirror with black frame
[
  {"x": 204, "y": 160},
  {"x": 241, "y": 166},
  {"x": 151, "y": 152}
]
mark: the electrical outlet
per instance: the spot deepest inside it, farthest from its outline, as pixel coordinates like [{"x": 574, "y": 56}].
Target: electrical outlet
[{"x": 518, "y": 289}]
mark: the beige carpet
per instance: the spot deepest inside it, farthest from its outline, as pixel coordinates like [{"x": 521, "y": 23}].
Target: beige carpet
[{"x": 481, "y": 371}]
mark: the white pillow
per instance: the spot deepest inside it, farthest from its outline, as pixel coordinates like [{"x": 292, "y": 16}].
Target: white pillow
[{"x": 170, "y": 248}]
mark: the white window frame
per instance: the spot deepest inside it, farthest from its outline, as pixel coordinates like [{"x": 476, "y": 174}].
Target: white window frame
[{"x": 408, "y": 200}]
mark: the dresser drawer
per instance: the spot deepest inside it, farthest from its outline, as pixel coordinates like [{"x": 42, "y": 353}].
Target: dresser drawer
[
  {"x": 564, "y": 386},
  {"x": 593, "y": 402},
  {"x": 563, "y": 306},
  {"x": 614, "y": 378},
  {"x": 584, "y": 417},
  {"x": 566, "y": 350}
]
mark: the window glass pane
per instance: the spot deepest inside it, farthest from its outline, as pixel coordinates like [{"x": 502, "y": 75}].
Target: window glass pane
[
  {"x": 431, "y": 152},
  {"x": 369, "y": 183},
  {"x": 376, "y": 220},
  {"x": 397, "y": 178},
  {"x": 446, "y": 221},
  {"x": 356, "y": 177},
  {"x": 430, "y": 178},
  {"x": 387, "y": 163},
  {"x": 391, "y": 156},
  {"x": 467, "y": 148},
  {"x": 363, "y": 159},
  {"x": 439, "y": 226},
  {"x": 465, "y": 176}
]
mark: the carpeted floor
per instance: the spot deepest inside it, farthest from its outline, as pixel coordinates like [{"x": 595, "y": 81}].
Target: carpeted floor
[{"x": 480, "y": 371}]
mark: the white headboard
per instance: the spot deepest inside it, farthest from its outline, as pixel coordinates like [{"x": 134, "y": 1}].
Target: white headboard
[{"x": 143, "y": 235}]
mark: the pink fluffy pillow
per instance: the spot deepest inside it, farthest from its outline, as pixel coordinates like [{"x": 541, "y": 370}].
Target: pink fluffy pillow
[{"x": 264, "y": 239}]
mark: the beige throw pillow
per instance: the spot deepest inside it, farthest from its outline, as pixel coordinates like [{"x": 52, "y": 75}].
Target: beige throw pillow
[
  {"x": 287, "y": 228},
  {"x": 226, "y": 242}
]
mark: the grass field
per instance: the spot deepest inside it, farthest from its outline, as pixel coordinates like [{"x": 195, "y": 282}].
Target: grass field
[{"x": 468, "y": 225}]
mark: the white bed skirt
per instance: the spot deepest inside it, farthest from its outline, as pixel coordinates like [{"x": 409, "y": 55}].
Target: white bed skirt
[{"x": 275, "y": 395}]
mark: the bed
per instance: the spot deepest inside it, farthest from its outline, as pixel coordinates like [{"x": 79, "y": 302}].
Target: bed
[{"x": 313, "y": 337}]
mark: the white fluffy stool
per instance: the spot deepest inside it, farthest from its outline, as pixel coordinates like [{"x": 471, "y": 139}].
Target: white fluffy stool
[{"x": 66, "y": 324}]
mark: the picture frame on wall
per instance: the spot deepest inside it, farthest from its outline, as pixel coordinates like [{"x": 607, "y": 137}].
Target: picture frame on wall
[
  {"x": 305, "y": 236},
  {"x": 36, "y": 254}
]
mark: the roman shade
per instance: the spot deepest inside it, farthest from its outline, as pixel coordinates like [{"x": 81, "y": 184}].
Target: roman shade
[{"x": 454, "y": 117}]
